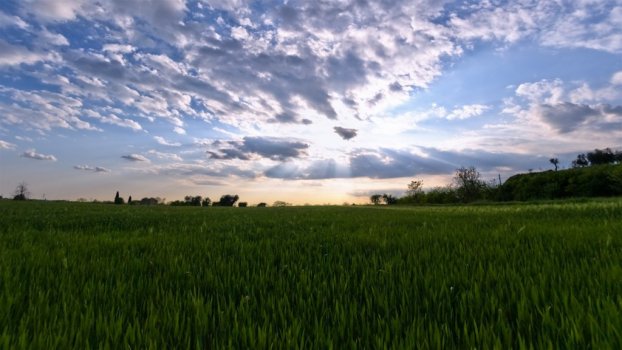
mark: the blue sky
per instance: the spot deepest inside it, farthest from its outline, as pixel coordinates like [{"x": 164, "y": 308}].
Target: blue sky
[{"x": 301, "y": 101}]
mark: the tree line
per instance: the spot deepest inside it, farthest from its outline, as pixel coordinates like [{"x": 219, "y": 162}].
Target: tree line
[{"x": 592, "y": 174}]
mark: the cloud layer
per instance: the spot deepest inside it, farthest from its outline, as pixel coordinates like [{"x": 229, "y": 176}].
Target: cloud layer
[{"x": 219, "y": 91}]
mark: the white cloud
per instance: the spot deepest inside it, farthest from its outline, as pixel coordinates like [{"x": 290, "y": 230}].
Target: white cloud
[
  {"x": 53, "y": 10},
  {"x": 7, "y": 21},
  {"x": 166, "y": 156},
  {"x": 125, "y": 123},
  {"x": 6, "y": 145},
  {"x": 545, "y": 91},
  {"x": 12, "y": 55},
  {"x": 32, "y": 154},
  {"x": 53, "y": 38},
  {"x": 467, "y": 111},
  {"x": 161, "y": 140},
  {"x": 179, "y": 130},
  {"x": 616, "y": 78}
]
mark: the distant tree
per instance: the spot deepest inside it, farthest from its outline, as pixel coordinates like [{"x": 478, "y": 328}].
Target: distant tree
[
  {"x": 469, "y": 186},
  {"x": 280, "y": 204},
  {"x": 601, "y": 156},
  {"x": 262, "y": 205},
  {"x": 227, "y": 200},
  {"x": 581, "y": 161},
  {"x": 149, "y": 201},
  {"x": 414, "y": 193},
  {"x": 21, "y": 192},
  {"x": 206, "y": 202},
  {"x": 375, "y": 199},
  {"x": 442, "y": 195},
  {"x": 415, "y": 187},
  {"x": 129, "y": 200},
  {"x": 555, "y": 162},
  {"x": 194, "y": 201},
  {"x": 118, "y": 199},
  {"x": 389, "y": 199},
  {"x": 243, "y": 204}
]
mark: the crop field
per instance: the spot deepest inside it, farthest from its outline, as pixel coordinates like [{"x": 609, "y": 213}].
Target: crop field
[{"x": 81, "y": 275}]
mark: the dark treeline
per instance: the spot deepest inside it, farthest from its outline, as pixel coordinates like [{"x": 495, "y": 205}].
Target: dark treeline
[{"x": 595, "y": 174}]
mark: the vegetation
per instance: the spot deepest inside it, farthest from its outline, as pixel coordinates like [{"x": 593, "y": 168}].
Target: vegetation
[
  {"x": 593, "y": 181},
  {"x": 21, "y": 192},
  {"x": 83, "y": 275}
]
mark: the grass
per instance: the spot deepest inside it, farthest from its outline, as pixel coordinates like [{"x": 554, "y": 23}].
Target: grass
[{"x": 515, "y": 276}]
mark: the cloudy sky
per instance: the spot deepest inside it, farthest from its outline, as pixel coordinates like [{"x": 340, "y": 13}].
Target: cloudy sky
[{"x": 303, "y": 101}]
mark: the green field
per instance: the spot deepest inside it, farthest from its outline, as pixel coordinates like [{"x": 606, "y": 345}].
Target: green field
[{"x": 508, "y": 276}]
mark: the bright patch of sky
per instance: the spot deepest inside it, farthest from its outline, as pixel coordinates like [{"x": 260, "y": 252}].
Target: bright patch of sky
[{"x": 307, "y": 102}]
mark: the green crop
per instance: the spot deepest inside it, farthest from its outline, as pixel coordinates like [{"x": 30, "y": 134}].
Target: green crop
[{"x": 113, "y": 277}]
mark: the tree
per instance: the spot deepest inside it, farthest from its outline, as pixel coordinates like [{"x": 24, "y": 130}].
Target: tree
[
  {"x": 280, "y": 204},
  {"x": 581, "y": 161},
  {"x": 194, "y": 201},
  {"x": 206, "y": 202},
  {"x": 415, "y": 191},
  {"x": 375, "y": 199},
  {"x": 389, "y": 199},
  {"x": 149, "y": 201},
  {"x": 468, "y": 183},
  {"x": 118, "y": 199},
  {"x": 601, "y": 156},
  {"x": 21, "y": 192},
  {"x": 554, "y": 161},
  {"x": 227, "y": 200},
  {"x": 242, "y": 204},
  {"x": 262, "y": 205},
  {"x": 129, "y": 200}
]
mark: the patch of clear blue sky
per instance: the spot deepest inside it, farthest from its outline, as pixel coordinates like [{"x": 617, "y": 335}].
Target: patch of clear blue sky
[{"x": 488, "y": 75}]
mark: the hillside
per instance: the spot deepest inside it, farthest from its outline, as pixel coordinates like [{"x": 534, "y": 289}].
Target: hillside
[{"x": 593, "y": 181}]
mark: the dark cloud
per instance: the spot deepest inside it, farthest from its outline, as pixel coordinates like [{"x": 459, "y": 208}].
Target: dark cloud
[
  {"x": 266, "y": 147},
  {"x": 289, "y": 118},
  {"x": 396, "y": 87},
  {"x": 391, "y": 163},
  {"x": 567, "y": 117},
  {"x": 96, "y": 169},
  {"x": 211, "y": 170},
  {"x": 345, "y": 134},
  {"x": 275, "y": 148},
  {"x": 97, "y": 66},
  {"x": 135, "y": 158}
]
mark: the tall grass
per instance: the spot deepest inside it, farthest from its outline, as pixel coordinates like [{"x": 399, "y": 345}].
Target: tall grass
[{"x": 515, "y": 276}]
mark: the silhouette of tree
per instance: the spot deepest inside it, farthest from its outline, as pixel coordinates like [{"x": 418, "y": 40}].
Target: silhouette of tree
[
  {"x": 118, "y": 199},
  {"x": 262, "y": 205},
  {"x": 389, "y": 199},
  {"x": 129, "y": 200},
  {"x": 242, "y": 204},
  {"x": 149, "y": 201},
  {"x": 414, "y": 193},
  {"x": 21, "y": 192},
  {"x": 375, "y": 199},
  {"x": 468, "y": 183},
  {"x": 280, "y": 204},
  {"x": 601, "y": 156},
  {"x": 581, "y": 161},
  {"x": 227, "y": 200},
  {"x": 206, "y": 202},
  {"x": 555, "y": 162},
  {"x": 194, "y": 201}
]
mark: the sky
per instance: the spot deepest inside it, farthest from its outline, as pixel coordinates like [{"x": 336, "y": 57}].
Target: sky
[{"x": 299, "y": 101}]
